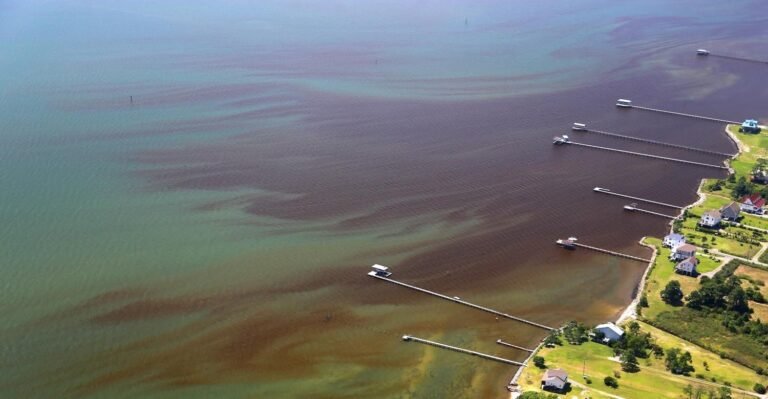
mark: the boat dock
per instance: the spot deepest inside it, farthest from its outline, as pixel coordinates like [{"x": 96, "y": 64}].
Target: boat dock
[
  {"x": 571, "y": 242},
  {"x": 609, "y": 192},
  {"x": 582, "y": 128},
  {"x": 622, "y": 103},
  {"x": 462, "y": 302},
  {"x": 500, "y": 342},
  {"x": 513, "y": 385},
  {"x": 462, "y": 350},
  {"x": 733, "y": 57},
  {"x": 633, "y": 208},
  {"x": 641, "y": 154}
]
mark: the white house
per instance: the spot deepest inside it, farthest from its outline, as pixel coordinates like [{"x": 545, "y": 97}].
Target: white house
[
  {"x": 752, "y": 203},
  {"x": 687, "y": 266},
  {"x": 611, "y": 331},
  {"x": 684, "y": 251},
  {"x": 555, "y": 379},
  {"x": 674, "y": 240},
  {"x": 710, "y": 219}
]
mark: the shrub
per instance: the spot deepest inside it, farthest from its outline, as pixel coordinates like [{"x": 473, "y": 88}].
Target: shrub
[
  {"x": 538, "y": 361},
  {"x": 759, "y": 388},
  {"x": 611, "y": 382}
]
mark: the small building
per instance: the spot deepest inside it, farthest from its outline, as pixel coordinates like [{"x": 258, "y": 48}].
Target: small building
[
  {"x": 687, "y": 266},
  {"x": 760, "y": 176},
  {"x": 710, "y": 219},
  {"x": 554, "y": 379},
  {"x": 730, "y": 211},
  {"x": 683, "y": 251},
  {"x": 750, "y": 126},
  {"x": 752, "y": 203},
  {"x": 610, "y": 331},
  {"x": 674, "y": 240}
]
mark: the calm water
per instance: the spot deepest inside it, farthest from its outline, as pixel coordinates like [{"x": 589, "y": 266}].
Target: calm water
[{"x": 211, "y": 237}]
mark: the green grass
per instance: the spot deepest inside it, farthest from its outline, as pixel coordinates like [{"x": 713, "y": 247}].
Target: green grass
[{"x": 652, "y": 381}]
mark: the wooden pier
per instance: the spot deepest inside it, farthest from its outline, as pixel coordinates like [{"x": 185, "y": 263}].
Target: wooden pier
[
  {"x": 462, "y": 350},
  {"x": 641, "y": 154},
  {"x": 705, "y": 118},
  {"x": 573, "y": 243},
  {"x": 500, "y": 342},
  {"x": 633, "y": 208},
  {"x": 513, "y": 385},
  {"x": 462, "y": 302},
  {"x": 609, "y": 192},
  {"x": 733, "y": 57},
  {"x": 660, "y": 143}
]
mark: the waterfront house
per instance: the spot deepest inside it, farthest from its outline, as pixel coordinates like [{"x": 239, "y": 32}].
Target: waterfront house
[
  {"x": 750, "y": 126},
  {"x": 710, "y": 219},
  {"x": 752, "y": 203},
  {"x": 730, "y": 211},
  {"x": 683, "y": 251},
  {"x": 554, "y": 379},
  {"x": 687, "y": 266},
  {"x": 674, "y": 240},
  {"x": 760, "y": 176},
  {"x": 610, "y": 331}
]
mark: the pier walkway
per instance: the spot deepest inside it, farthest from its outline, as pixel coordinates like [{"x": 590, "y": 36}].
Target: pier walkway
[
  {"x": 500, "y": 342},
  {"x": 706, "y": 118},
  {"x": 641, "y": 154},
  {"x": 660, "y": 143},
  {"x": 632, "y": 208},
  {"x": 462, "y": 350},
  {"x": 462, "y": 302},
  {"x": 609, "y": 192},
  {"x": 573, "y": 243},
  {"x": 733, "y": 57}
]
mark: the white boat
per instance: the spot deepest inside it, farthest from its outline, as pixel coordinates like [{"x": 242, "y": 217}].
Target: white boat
[
  {"x": 380, "y": 270},
  {"x": 702, "y": 51},
  {"x": 624, "y": 103},
  {"x": 579, "y": 127}
]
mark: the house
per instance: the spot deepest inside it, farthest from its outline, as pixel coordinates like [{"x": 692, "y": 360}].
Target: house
[
  {"x": 730, "y": 211},
  {"x": 683, "y": 252},
  {"x": 554, "y": 379},
  {"x": 674, "y": 240},
  {"x": 752, "y": 203},
  {"x": 710, "y": 219},
  {"x": 760, "y": 176},
  {"x": 610, "y": 331},
  {"x": 750, "y": 126},
  {"x": 687, "y": 266}
]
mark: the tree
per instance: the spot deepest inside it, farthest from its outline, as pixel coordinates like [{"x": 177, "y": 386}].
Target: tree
[
  {"x": 678, "y": 362},
  {"x": 672, "y": 294},
  {"x": 629, "y": 362},
  {"x": 553, "y": 339},
  {"x": 611, "y": 382},
  {"x": 759, "y": 388},
  {"x": 741, "y": 188},
  {"x": 724, "y": 393},
  {"x": 538, "y": 361}
]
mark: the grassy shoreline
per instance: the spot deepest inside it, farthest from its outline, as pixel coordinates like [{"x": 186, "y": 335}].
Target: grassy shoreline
[{"x": 725, "y": 365}]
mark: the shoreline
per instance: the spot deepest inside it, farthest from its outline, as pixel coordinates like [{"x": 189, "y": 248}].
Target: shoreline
[{"x": 630, "y": 312}]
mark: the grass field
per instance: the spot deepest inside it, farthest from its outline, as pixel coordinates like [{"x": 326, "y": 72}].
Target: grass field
[{"x": 652, "y": 381}]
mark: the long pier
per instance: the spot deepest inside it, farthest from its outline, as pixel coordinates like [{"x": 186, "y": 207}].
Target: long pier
[
  {"x": 655, "y": 142},
  {"x": 609, "y": 192},
  {"x": 500, "y": 342},
  {"x": 733, "y": 57},
  {"x": 572, "y": 243},
  {"x": 636, "y": 209},
  {"x": 462, "y": 350},
  {"x": 462, "y": 302},
  {"x": 706, "y": 118},
  {"x": 641, "y": 154}
]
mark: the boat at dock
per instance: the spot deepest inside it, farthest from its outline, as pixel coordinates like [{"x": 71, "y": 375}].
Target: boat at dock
[
  {"x": 624, "y": 103},
  {"x": 702, "y": 51},
  {"x": 569, "y": 243}
]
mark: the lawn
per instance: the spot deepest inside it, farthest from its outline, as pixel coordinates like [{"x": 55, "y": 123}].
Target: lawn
[
  {"x": 652, "y": 381},
  {"x": 755, "y": 275}
]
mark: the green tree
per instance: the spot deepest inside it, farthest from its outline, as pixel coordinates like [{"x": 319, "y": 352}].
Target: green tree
[
  {"x": 629, "y": 362},
  {"x": 611, "y": 382},
  {"x": 742, "y": 187},
  {"x": 759, "y": 388},
  {"x": 538, "y": 361},
  {"x": 678, "y": 362},
  {"x": 672, "y": 294}
]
